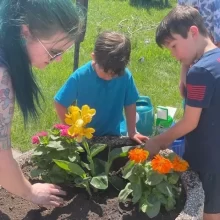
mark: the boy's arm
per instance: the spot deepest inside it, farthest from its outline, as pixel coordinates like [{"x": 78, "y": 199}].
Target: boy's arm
[
  {"x": 181, "y": 128},
  {"x": 200, "y": 86},
  {"x": 65, "y": 97},
  {"x": 130, "y": 113},
  {"x": 182, "y": 84},
  {"x": 61, "y": 111}
]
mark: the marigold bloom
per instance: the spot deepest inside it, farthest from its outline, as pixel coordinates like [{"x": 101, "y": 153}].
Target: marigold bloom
[
  {"x": 161, "y": 164},
  {"x": 138, "y": 155},
  {"x": 180, "y": 165}
]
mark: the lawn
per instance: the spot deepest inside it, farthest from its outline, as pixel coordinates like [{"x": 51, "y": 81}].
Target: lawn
[{"x": 155, "y": 72}]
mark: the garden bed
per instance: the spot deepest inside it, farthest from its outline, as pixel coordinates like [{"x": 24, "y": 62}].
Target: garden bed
[{"x": 103, "y": 205}]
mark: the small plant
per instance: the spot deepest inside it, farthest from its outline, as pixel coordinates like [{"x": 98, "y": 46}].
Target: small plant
[
  {"x": 64, "y": 155},
  {"x": 152, "y": 183}
]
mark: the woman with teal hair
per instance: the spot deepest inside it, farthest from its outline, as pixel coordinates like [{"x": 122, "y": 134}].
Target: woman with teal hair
[{"x": 33, "y": 33}]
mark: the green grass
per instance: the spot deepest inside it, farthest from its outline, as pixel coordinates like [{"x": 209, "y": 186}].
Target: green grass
[{"x": 157, "y": 76}]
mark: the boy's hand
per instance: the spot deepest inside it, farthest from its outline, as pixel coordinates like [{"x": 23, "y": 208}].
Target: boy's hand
[
  {"x": 152, "y": 147},
  {"x": 139, "y": 138}
]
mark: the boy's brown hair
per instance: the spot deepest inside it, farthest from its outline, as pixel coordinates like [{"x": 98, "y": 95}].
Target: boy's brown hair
[
  {"x": 112, "y": 52},
  {"x": 178, "y": 21}
]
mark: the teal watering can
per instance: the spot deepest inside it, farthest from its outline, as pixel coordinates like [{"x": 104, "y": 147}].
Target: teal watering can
[{"x": 145, "y": 111}]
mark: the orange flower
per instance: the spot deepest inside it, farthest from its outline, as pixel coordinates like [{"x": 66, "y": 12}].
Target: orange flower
[
  {"x": 161, "y": 164},
  {"x": 138, "y": 155},
  {"x": 180, "y": 165}
]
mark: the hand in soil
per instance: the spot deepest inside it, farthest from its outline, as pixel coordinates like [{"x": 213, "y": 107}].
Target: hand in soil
[{"x": 45, "y": 194}]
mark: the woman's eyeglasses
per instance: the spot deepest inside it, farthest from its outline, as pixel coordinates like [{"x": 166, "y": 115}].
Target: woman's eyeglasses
[{"x": 52, "y": 57}]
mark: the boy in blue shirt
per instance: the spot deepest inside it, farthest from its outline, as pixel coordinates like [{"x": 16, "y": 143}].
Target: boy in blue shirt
[
  {"x": 106, "y": 85},
  {"x": 183, "y": 32}
]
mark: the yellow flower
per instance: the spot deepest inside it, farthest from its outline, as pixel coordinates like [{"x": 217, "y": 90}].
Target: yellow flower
[
  {"x": 78, "y": 119},
  {"x": 87, "y": 110},
  {"x": 79, "y": 123},
  {"x": 88, "y": 132},
  {"x": 73, "y": 115},
  {"x": 180, "y": 165},
  {"x": 138, "y": 155},
  {"x": 80, "y": 132},
  {"x": 161, "y": 164},
  {"x": 87, "y": 114}
]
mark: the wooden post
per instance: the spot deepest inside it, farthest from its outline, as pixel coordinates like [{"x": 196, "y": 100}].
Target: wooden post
[{"x": 84, "y": 5}]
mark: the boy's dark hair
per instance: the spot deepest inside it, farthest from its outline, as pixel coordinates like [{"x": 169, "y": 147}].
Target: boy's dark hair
[
  {"x": 178, "y": 21},
  {"x": 44, "y": 18},
  {"x": 112, "y": 52}
]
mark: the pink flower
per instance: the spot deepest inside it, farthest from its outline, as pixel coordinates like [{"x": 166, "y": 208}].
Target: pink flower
[
  {"x": 35, "y": 140},
  {"x": 61, "y": 126},
  {"x": 42, "y": 134},
  {"x": 64, "y": 132}
]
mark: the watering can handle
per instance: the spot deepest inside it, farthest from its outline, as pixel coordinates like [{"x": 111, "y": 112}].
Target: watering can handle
[{"x": 145, "y": 98}]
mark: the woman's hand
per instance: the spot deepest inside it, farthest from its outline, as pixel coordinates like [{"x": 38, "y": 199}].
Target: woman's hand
[{"x": 45, "y": 194}]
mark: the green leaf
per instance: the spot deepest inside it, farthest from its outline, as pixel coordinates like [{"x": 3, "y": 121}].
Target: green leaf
[
  {"x": 73, "y": 157},
  {"x": 160, "y": 196},
  {"x": 143, "y": 203},
  {"x": 54, "y": 137},
  {"x": 123, "y": 195},
  {"x": 100, "y": 182},
  {"x": 127, "y": 173},
  {"x": 62, "y": 164},
  {"x": 114, "y": 154},
  {"x": 37, "y": 153},
  {"x": 80, "y": 149},
  {"x": 117, "y": 182},
  {"x": 76, "y": 169},
  {"x": 61, "y": 148},
  {"x": 81, "y": 181},
  {"x": 40, "y": 150},
  {"x": 85, "y": 165},
  {"x": 137, "y": 191},
  {"x": 170, "y": 205},
  {"x": 153, "y": 178},
  {"x": 165, "y": 188},
  {"x": 97, "y": 148},
  {"x": 55, "y": 144},
  {"x": 119, "y": 152},
  {"x": 99, "y": 165},
  {"x": 36, "y": 172},
  {"x": 153, "y": 210},
  {"x": 173, "y": 178}
]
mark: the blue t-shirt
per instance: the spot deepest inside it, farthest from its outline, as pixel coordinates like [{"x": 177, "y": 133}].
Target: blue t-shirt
[
  {"x": 108, "y": 97},
  {"x": 202, "y": 148}
]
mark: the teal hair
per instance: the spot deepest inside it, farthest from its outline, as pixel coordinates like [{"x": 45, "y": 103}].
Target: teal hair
[{"x": 44, "y": 18}]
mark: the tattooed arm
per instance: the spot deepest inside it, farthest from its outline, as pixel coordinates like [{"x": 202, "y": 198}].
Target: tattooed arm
[{"x": 11, "y": 177}]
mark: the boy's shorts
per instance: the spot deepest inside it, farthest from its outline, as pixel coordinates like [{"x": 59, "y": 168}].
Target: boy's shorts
[{"x": 211, "y": 186}]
